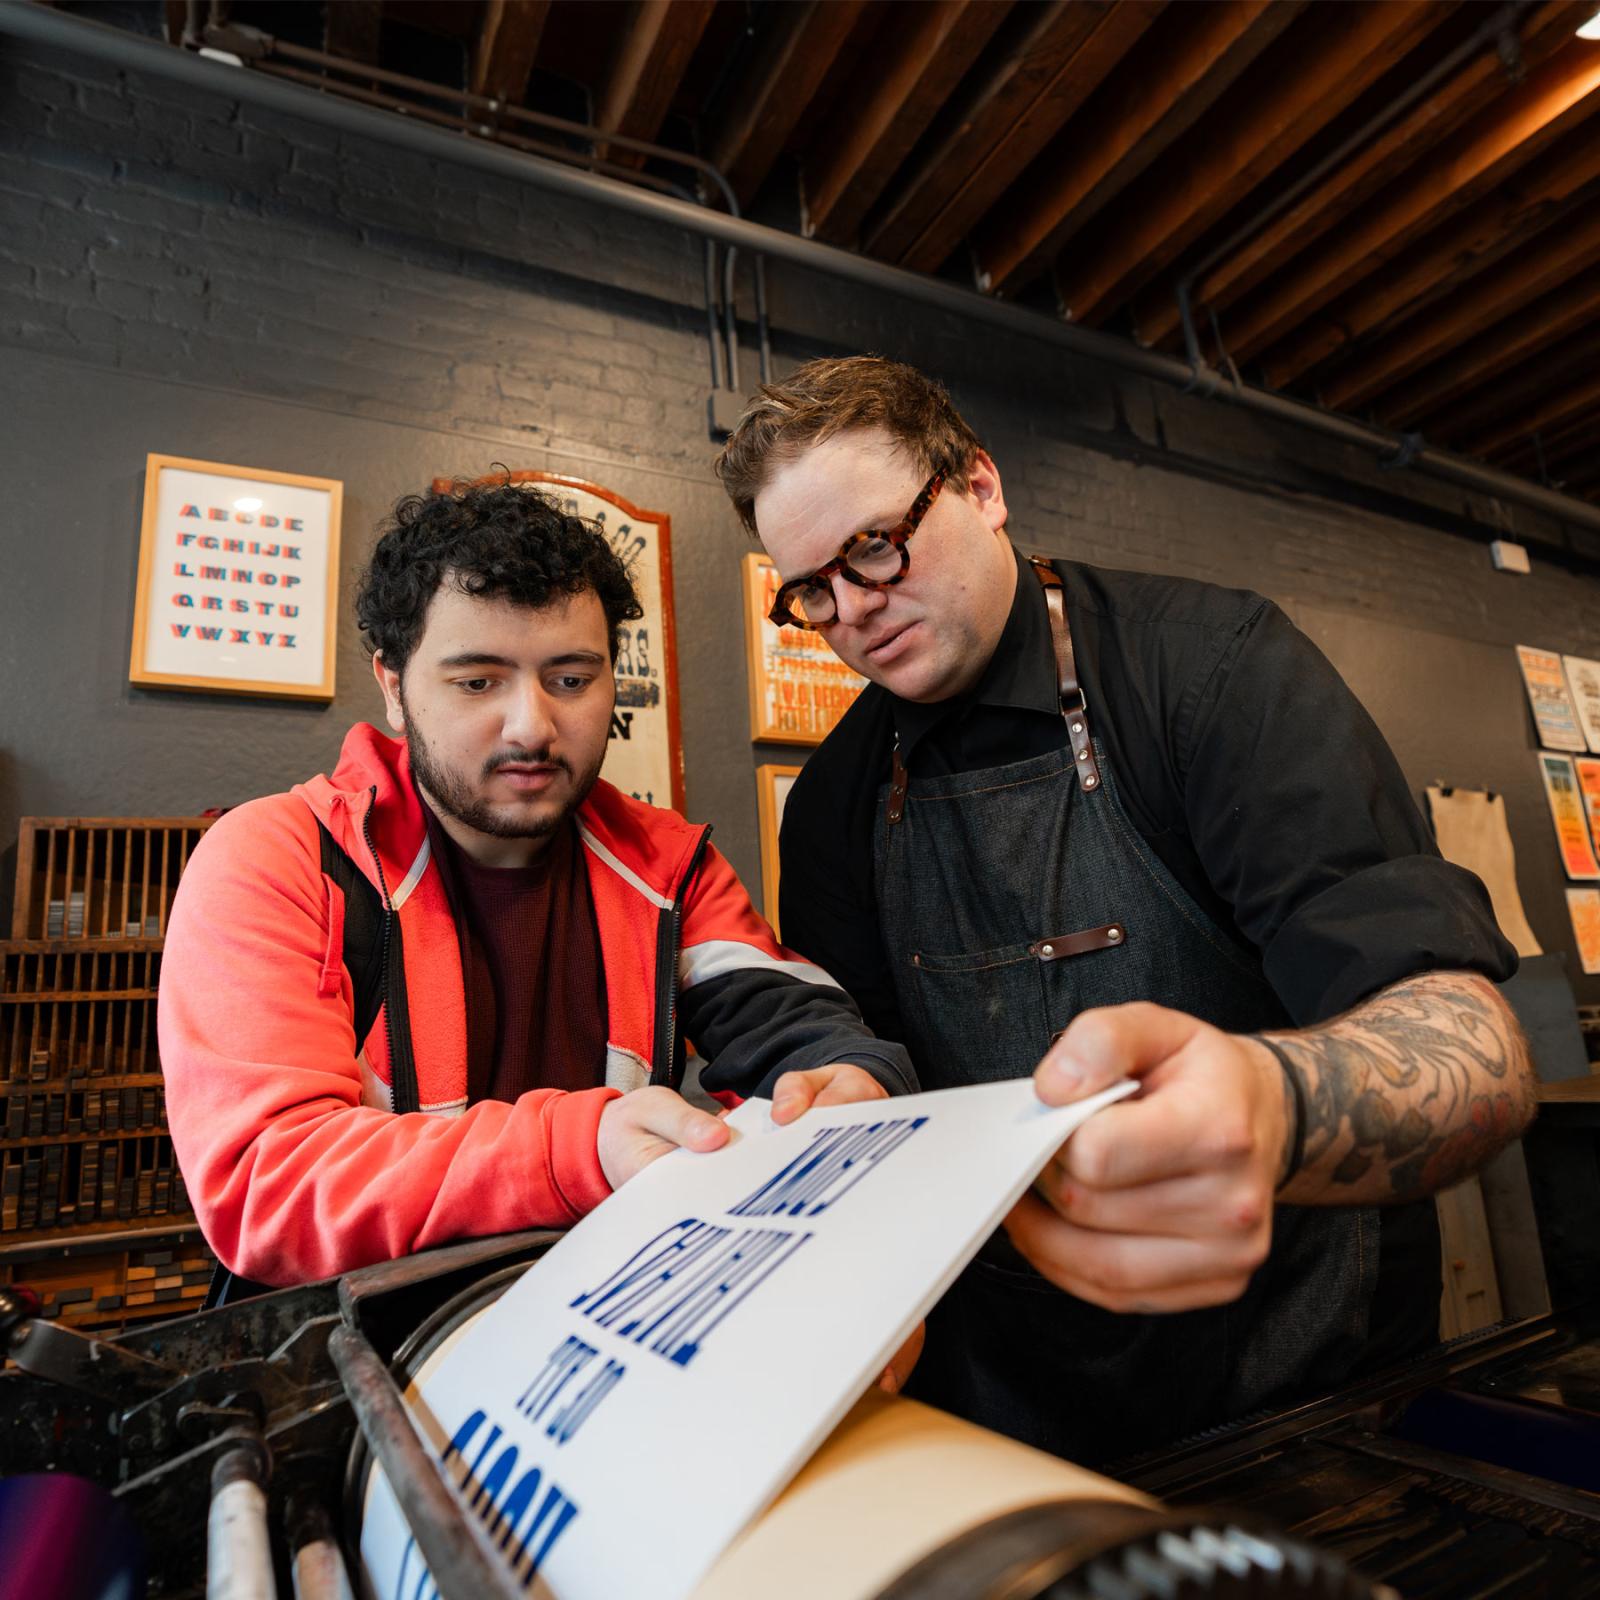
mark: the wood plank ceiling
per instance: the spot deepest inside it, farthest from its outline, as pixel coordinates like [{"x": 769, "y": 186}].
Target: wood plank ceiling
[{"x": 1431, "y": 263}]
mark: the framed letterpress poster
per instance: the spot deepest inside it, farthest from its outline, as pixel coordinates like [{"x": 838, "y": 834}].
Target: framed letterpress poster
[
  {"x": 238, "y": 580},
  {"x": 645, "y": 755},
  {"x": 773, "y": 784},
  {"x": 798, "y": 687}
]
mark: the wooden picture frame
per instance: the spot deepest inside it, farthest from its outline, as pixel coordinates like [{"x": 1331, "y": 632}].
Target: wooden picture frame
[
  {"x": 772, "y": 792},
  {"x": 645, "y": 754},
  {"x": 238, "y": 589},
  {"x": 798, "y": 688}
]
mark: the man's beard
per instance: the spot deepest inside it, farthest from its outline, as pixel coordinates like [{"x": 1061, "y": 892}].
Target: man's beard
[{"x": 451, "y": 793}]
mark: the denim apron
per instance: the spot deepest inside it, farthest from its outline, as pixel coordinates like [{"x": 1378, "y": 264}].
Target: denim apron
[{"x": 1010, "y": 900}]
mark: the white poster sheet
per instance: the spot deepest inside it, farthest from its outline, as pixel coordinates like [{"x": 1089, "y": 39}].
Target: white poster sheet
[
  {"x": 654, "y": 1381},
  {"x": 1553, "y": 711},
  {"x": 1583, "y": 679}
]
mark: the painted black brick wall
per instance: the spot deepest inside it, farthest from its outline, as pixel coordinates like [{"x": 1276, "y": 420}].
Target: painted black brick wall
[{"x": 179, "y": 274}]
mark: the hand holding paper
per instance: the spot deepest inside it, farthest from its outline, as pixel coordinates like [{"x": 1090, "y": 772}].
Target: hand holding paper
[
  {"x": 1164, "y": 1202},
  {"x": 638, "y": 1128},
  {"x": 837, "y": 1084}
]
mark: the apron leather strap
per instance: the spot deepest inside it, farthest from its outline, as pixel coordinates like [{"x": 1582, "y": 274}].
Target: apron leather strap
[
  {"x": 898, "y": 781},
  {"x": 1074, "y": 703}
]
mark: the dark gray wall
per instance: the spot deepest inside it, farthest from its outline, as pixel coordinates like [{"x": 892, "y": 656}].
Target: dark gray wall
[{"x": 180, "y": 275}]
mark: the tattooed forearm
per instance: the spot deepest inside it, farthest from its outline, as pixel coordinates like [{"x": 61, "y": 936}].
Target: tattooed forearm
[{"x": 1409, "y": 1093}]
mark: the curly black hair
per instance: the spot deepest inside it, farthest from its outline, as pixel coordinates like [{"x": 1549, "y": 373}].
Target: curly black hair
[{"x": 487, "y": 538}]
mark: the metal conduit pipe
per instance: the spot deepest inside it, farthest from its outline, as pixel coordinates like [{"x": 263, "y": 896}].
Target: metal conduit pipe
[
  {"x": 139, "y": 54},
  {"x": 263, "y": 50},
  {"x": 461, "y": 124}
]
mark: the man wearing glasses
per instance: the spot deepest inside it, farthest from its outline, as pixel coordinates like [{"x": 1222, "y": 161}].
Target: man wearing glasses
[{"x": 1087, "y": 824}]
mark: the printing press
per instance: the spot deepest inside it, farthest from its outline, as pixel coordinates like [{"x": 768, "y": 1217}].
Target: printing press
[{"x": 242, "y": 1438}]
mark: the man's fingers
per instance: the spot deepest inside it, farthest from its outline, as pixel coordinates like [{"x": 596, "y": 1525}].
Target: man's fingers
[
  {"x": 1109, "y": 1043},
  {"x": 849, "y": 1086},
  {"x": 838, "y": 1084},
  {"x": 1196, "y": 1205},
  {"x": 669, "y": 1116},
  {"x": 1165, "y": 1134},
  {"x": 794, "y": 1093},
  {"x": 893, "y": 1377},
  {"x": 1127, "y": 1272}
]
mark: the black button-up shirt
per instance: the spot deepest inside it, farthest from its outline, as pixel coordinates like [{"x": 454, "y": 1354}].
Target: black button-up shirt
[
  {"x": 1249, "y": 768},
  {"x": 1239, "y": 755}
]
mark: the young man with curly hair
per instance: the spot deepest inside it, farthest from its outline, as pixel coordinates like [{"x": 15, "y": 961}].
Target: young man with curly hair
[{"x": 547, "y": 943}]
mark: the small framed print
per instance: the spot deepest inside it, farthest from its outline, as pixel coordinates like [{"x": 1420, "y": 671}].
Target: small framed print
[
  {"x": 772, "y": 792},
  {"x": 798, "y": 687},
  {"x": 238, "y": 580},
  {"x": 645, "y": 755}
]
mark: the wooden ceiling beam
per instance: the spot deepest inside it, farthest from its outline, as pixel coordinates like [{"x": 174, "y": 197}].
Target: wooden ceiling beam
[
  {"x": 652, "y": 53},
  {"x": 1479, "y": 84},
  {"x": 1586, "y": 483},
  {"x": 803, "y": 40},
  {"x": 1532, "y": 398},
  {"x": 1382, "y": 309},
  {"x": 1315, "y": 71},
  {"x": 1175, "y": 75},
  {"x": 1050, "y": 66},
  {"x": 1577, "y": 444},
  {"x": 1484, "y": 154},
  {"x": 1568, "y": 404},
  {"x": 353, "y": 29},
  {"x": 1479, "y": 331},
  {"x": 887, "y": 106},
  {"x": 506, "y": 48},
  {"x": 1557, "y": 448}
]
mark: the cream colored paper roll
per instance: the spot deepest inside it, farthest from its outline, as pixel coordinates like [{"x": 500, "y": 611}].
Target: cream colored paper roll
[{"x": 890, "y": 1485}]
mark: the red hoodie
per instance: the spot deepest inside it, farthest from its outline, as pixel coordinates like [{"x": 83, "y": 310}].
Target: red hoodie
[{"x": 298, "y": 1167}]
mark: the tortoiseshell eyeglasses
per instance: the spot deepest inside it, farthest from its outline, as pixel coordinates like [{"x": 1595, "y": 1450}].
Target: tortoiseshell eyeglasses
[{"x": 873, "y": 559}]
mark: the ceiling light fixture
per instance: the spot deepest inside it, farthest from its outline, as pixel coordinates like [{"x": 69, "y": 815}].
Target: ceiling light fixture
[{"x": 1591, "y": 28}]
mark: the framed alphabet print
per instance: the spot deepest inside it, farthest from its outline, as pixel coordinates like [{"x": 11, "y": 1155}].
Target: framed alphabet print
[
  {"x": 238, "y": 580},
  {"x": 645, "y": 755},
  {"x": 798, "y": 687}
]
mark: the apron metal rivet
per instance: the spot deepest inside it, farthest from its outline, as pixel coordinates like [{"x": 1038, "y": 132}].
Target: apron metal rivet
[
  {"x": 1083, "y": 755},
  {"x": 1088, "y": 783},
  {"x": 1113, "y": 934},
  {"x": 1047, "y": 949},
  {"x": 1077, "y": 727}
]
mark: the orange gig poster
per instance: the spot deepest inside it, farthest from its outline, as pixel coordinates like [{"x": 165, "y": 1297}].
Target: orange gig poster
[
  {"x": 1583, "y": 906},
  {"x": 798, "y": 688},
  {"x": 1588, "y": 771},
  {"x": 1566, "y": 811}
]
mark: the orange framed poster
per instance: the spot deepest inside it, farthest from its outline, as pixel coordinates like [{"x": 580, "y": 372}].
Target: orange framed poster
[
  {"x": 238, "y": 587},
  {"x": 645, "y": 755},
  {"x": 1588, "y": 771},
  {"x": 798, "y": 687},
  {"x": 1566, "y": 812},
  {"x": 773, "y": 784}
]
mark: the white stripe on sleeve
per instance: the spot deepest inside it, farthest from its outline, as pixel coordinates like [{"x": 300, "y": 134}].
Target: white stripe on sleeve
[{"x": 699, "y": 963}]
